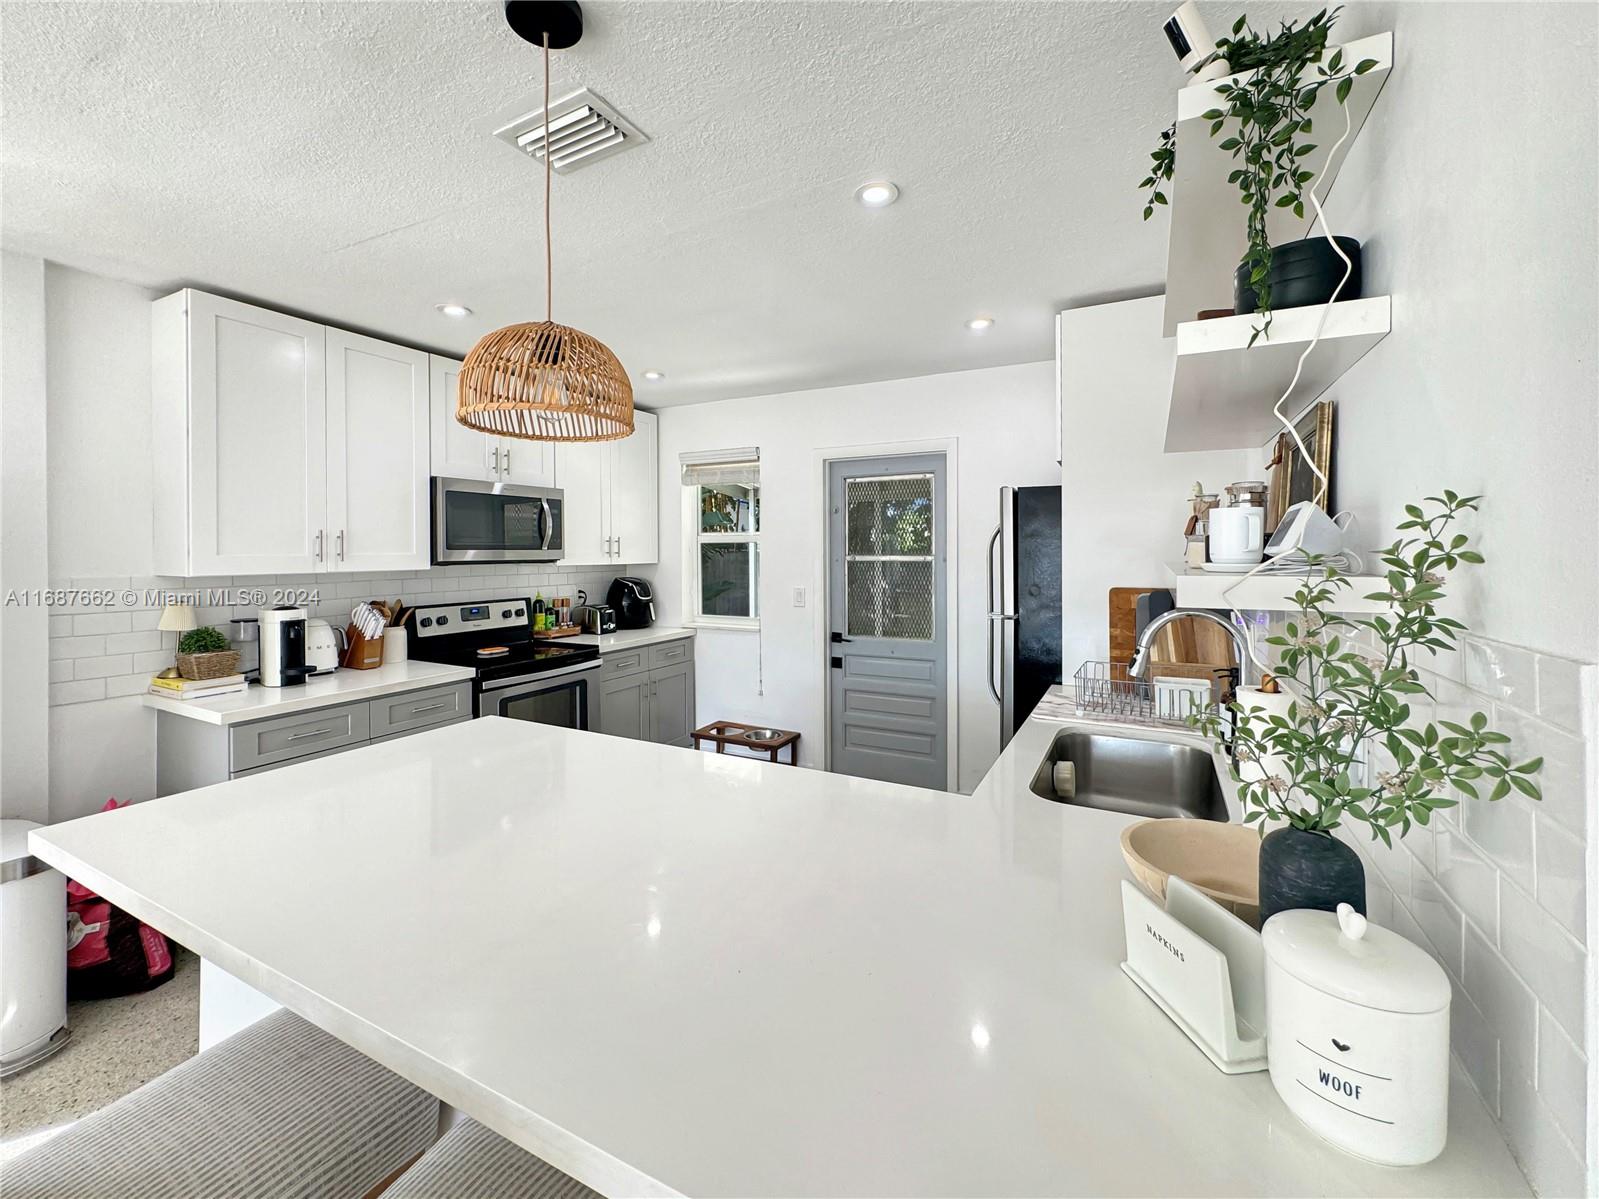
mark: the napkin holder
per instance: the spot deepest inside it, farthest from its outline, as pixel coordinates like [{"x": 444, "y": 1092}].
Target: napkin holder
[
  {"x": 362, "y": 653},
  {"x": 1204, "y": 967}
]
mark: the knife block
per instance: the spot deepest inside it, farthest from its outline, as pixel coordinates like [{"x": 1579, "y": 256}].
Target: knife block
[{"x": 363, "y": 653}]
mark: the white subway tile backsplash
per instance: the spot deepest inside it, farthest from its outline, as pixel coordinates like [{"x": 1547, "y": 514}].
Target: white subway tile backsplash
[
  {"x": 1439, "y": 918},
  {"x": 1553, "y": 1165},
  {"x": 61, "y": 626},
  {"x": 128, "y": 684},
  {"x": 1549, "y": 958},
  {"x": 1562, "y": 889},
  {"x": 1476, "y": 1044},
  {"x": 1560, "y": 691},
  {"x": 1562, "y": 779},
  {"x": 1469, "y": 880},
  {"x": 1563, "y": 1080},
  {"x": 76, "y": 647},
  {"x": 1507, "y": 1003},
  {"x": 1504, "y": 673},
  {"x": 61, "y": 670},
  {"x": 153, "y": 661},
  {"x": 101, "y": 622},
  {"x": 102, "y": 668},
  {"x": 129, "y": 643},
  {"x": 1502, "y": 830},
  {"x": 77, "y": 692}
]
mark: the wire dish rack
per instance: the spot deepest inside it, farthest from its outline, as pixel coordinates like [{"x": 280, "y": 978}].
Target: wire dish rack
[{"x": 1105, "y": 689}]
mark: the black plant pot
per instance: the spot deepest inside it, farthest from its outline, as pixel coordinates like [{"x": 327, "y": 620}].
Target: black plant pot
[
  {"x": 1302, "y": 272},
  {"x": 1299, "y": 869}
]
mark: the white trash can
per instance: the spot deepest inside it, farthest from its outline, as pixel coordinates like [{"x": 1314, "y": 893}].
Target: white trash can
[{"x": 33, "y": 946}]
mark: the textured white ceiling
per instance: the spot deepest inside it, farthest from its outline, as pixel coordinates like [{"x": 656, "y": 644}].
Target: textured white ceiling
[{"x": 335, "y": 159}]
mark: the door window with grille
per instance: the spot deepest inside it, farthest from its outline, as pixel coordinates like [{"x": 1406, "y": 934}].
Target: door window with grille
[{"x": 888, "y": 561}]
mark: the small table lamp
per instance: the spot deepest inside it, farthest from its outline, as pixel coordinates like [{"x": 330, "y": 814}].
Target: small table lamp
[{"x": 179, "y": 619}]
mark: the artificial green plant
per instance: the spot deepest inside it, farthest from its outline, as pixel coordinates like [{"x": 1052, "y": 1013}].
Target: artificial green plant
[
  {"x": 204, "y": 640},
  {"x": 1348, "y": 697},
  {"x": 1265, "y": 116}
]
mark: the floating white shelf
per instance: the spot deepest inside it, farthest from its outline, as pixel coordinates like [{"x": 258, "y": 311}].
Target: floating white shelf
[
  {"x": 1223, "y": 389},
  {"x": 1208, "y": 236},
  {"x": 1264, "y": 592}
]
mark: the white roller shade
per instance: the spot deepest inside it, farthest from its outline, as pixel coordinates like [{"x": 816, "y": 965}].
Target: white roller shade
[{"x": 722, "y": 468}]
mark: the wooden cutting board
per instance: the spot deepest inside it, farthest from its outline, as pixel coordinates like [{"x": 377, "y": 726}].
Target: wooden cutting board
[{"x": 1183, "y": 649}]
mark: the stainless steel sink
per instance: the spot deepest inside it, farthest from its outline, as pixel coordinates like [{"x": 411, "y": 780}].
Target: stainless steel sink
[{"x": 1135, "y": 776}]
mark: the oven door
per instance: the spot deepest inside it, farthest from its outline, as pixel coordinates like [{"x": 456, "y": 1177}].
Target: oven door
[
  {"x": 563, "y": 698},
  {"x": 474, "y": 521}
]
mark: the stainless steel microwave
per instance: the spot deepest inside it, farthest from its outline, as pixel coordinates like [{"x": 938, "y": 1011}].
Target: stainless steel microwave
[{"x": 475, "y": 521}]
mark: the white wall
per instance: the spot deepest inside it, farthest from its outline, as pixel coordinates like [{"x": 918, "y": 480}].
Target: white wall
[
  {"x": 24, "y": 565},
  {"x": 1477, "y": 214},
  {"x": 1124, "y": 501},
  {"x": 1002, "y": 423}
]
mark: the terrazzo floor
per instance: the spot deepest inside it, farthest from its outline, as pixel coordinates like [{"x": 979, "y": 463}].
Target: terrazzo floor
[{"x": 117, "y": 1046}]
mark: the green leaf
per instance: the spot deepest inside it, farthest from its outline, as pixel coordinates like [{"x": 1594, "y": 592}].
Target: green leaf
[
  {"x": 1365, "y": 65},
  {"x": 1343, "y": 88}
]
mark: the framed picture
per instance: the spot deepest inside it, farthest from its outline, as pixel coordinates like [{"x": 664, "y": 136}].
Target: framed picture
[{"x": 1292, "y": 479}]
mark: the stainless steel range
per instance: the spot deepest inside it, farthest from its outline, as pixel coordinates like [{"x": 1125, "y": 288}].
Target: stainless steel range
[{"x": 517, "y": 676}]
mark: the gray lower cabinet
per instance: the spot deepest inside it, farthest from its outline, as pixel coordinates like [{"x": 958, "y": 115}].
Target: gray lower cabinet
[
  {"x": 648, "y": 693},
  {"x": 191, "y": 753}
]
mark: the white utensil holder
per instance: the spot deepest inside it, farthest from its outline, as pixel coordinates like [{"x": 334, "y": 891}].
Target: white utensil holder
[{"x": 1204, "y": 967}]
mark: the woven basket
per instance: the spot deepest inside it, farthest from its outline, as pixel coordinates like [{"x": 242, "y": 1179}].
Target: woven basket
[{"x": 208, "y": 666}]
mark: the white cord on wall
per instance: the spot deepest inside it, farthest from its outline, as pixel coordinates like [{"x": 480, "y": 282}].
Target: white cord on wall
[{"x": 1323, "y": 483}]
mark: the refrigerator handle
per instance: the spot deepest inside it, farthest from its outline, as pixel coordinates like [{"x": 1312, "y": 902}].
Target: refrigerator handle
[{"x": 993, "y": 688}]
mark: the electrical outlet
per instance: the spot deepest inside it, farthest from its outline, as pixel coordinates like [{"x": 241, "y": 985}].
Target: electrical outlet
[{"x": 799, "y": 597}]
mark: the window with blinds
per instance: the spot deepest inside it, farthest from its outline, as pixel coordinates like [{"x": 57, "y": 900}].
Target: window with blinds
[{"x": 723, "y": 491}]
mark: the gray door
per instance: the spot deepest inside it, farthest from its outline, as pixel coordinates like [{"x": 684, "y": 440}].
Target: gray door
[
  {"x": 624, "y": 707},
  {"x": 887, "y": 590},
  {"x": 672, "y": 704}
]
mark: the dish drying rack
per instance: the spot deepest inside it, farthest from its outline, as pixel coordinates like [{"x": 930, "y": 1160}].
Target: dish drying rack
[{"x": 1106, "y": 689}]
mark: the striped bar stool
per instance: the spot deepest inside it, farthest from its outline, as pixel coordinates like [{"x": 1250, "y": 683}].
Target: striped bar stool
[
  {"x": 470, "y": 1162},
  {"x": 279, "y": 1110}
]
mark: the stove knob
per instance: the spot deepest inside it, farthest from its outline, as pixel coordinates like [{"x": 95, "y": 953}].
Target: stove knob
[
  {"x": 427, "y": 622},
  {"x": 506, "y": 615},
  {"x": 519, "y": 612},
  {"x": 444, "y": 620}
]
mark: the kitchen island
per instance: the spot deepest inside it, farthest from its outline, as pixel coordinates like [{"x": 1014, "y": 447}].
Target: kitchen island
[{"x": 667, "y": 971}]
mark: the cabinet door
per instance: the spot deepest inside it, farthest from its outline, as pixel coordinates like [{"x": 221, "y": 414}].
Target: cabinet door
[
  {"x": 579, "y": 466},
  {"x": 634, "y": 495},
  {"x": 624, "y": 707},
  {"x": 256, "y": 438},
  {"x": 672, "y": 704},
  {"x": 456, "y": 452},
  {"x": 377, "y": 470},
  {"x": 528, "y": 463}
]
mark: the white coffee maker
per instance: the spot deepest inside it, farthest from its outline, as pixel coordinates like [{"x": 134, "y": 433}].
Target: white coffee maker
[{"x": 283, "y": 646}]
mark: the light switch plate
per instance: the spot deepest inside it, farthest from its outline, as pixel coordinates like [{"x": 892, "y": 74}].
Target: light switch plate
[{"x": 799, "y": 597}]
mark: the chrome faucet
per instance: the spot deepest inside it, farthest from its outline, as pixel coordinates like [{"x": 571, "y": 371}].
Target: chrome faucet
[{"x": 1140, "y": 667}]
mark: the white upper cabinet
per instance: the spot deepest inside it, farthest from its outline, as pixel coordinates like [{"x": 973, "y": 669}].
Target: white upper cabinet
[
  {"x": 458, "y": 452},
  {"x": 240, "y": 439},
  {"x": 463, "y": 453},
  {"x": 281, "y": 441},
  {"x": 611, "y": 498},
  {"x": 635, "y": 498},
  {"x": 377, "y": 456}
]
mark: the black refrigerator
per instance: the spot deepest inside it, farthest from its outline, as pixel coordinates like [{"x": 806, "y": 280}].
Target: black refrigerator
[{"x": 1024, "y": 603}]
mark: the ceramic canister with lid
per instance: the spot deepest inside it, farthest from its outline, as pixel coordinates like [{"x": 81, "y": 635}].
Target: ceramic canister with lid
[{"x": 1357, "y": 1034}]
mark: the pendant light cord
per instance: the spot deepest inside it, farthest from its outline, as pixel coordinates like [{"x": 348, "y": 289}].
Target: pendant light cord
[{"x": 549, "y": 288}]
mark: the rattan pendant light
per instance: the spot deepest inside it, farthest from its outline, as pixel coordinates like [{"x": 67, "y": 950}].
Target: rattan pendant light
[{"x": 543, "y": 381}]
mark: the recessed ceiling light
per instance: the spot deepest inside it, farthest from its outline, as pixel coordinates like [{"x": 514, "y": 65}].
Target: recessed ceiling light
[
  {"x": 980, "y": 324},
  {"x": 654, "y": 376},
  {"x": 456, "y": 310},
  {"x": 877, "y": 194}
]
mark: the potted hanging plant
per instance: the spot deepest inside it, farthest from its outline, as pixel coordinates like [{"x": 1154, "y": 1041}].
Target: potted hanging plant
[
  {"x": 1263, "y": 120},
  {"x": 1306, "y": 765}
]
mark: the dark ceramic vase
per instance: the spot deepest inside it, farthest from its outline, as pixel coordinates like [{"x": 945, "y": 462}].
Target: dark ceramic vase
[{"x": 1300, "y": 869}]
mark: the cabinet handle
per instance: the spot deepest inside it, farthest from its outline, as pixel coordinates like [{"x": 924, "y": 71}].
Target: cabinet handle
[
  {"x": 428, "y": 708},
  {"x": 496, "y": 459},
  {"x": 323, "y": 732},
  {"x": 340, "y": 545},
  {"x": 507, "y": 459},
  {"x": 618, "y": 547},
  {"x": 319, "y": 545}
]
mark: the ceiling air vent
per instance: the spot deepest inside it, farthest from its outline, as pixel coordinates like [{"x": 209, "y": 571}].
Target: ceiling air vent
[{"x": 583, "y": 130}]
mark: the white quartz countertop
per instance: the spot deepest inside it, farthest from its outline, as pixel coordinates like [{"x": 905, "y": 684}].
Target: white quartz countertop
[
  {"x": 319, "y": 691},
  {"x": 664, "y": 970},
  {"x": 631, "y": 638}
]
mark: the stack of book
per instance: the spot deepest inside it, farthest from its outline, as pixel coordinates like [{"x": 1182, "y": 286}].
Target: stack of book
[{"x": 228, "y": 684}]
